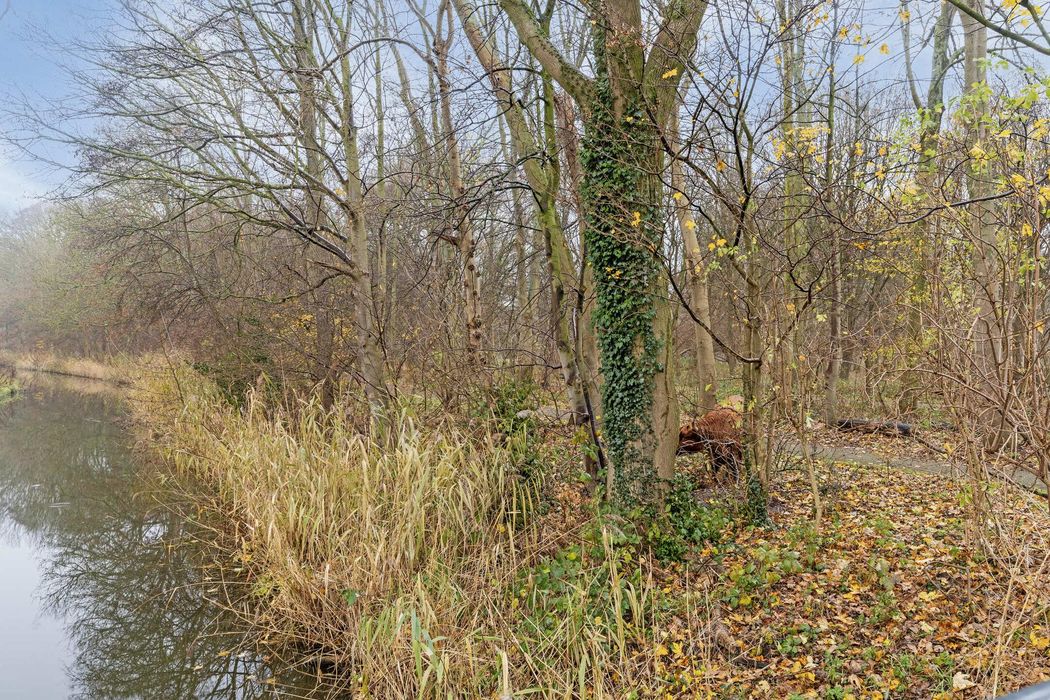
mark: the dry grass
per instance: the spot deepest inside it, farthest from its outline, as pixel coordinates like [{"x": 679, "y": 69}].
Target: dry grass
[
  {"x": 401, "y": 561},
  {"x": 116, "y": 370}
]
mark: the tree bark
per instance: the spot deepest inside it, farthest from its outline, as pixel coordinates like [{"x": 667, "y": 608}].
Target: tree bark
[
  {"x": 626, "y": 108},
  {"x": 699, "y": 297},
  {"x": 460, "y": 215}
]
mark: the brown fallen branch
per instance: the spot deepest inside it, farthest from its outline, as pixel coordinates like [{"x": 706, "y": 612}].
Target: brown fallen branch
[
  {"x": 876, "y": 427},
  {"x": 886, "y": 427}
]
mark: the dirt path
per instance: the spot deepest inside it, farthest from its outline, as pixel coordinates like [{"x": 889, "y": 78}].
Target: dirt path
[{"x": 859, "y": 455}]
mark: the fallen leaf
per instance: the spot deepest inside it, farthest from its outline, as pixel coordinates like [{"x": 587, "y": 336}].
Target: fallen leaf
[{"x": 960, "y": 681}]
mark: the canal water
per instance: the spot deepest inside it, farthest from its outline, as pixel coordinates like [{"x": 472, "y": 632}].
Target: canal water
[{"x": 101, "y": 590}]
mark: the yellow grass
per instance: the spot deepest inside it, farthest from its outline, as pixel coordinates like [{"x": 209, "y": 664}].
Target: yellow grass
[
  {"x": 392, "y": 557},
  {"x": 116, "y": 370}
]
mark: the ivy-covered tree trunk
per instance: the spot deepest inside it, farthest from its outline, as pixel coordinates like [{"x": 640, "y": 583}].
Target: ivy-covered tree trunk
[
  {"x": 623, "y": 200},
  {"x": 625, "y": 107},
  {"x": 624, "y": 223}
]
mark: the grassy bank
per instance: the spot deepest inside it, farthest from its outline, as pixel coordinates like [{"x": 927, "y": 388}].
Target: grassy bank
[
  {"x": 114, "y": 370},
  {"x": 407, "y": 562},
  {"x": 421, "y": 564}
]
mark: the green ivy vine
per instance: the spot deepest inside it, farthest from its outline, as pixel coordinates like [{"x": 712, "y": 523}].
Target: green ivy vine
[{"x": 622, "y": 232}]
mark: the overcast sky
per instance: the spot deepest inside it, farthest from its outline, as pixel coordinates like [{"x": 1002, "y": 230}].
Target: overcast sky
[
  {"x": 30, "y": 66},
  {"x": 33, "y": 32}
]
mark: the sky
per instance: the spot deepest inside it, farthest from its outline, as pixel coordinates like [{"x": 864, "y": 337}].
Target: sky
[
  {"x": 32, "y": 33},
  {"x": 31, "y": 68}
]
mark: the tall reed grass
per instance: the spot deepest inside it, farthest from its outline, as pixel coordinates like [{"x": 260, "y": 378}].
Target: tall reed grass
[
  {"x": 402, "y": 559},
  {"x": 115, "y": 370}
]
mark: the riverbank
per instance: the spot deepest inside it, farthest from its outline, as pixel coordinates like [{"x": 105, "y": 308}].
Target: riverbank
[
  {"x": 118, "y": 370},
  {"x": 454, "y": 561},
  {"x": 403, "y": 562},
  {"x": 422, "y": 563}
]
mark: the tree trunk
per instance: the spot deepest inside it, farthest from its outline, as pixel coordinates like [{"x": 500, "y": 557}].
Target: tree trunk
[
  {"x": 543, "y": 176},
  {"x": 699, "y": 298},
  {"x": 325, "y": 374},
  {"x": 622, "y": 194},
  {"x": 626, "y": 107},
  {"x": 369, "y": 351},
  {"x": 460, "y": 215},
  {"x": 834, "y": 366}
]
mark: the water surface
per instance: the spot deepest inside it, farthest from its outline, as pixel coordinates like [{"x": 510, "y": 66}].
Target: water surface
[{"x": 101, "y": 596}]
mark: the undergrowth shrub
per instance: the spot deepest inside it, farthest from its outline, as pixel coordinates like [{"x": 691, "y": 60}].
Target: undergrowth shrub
[
  {"x": 500, "y": 407},
  {"x": 502, "y": 402},
  {"x": 237, "y": 375},
  {"x": 401, "y": 559},
  {"x": 590, "y": 599},
  {"x": 8, "y": 386},
  {"x": 688, "y": 522},
  {"x": 768, "y": 565}
]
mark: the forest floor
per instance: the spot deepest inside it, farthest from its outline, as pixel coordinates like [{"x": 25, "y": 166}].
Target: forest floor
[
  {"x": 893, "y": 596},
  {"x": 889, "y": 599}
]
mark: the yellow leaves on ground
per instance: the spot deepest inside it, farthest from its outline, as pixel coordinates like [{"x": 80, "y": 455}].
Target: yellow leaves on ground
[{"x": 883, "y": 606}]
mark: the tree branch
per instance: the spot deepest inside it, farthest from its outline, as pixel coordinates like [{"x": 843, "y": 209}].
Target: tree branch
[
  {"x": 531, "y": 34},
  {"x": 964, "y": 7}
]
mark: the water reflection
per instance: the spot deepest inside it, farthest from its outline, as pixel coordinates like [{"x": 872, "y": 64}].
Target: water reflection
[{"x": 129, "y": 599}]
